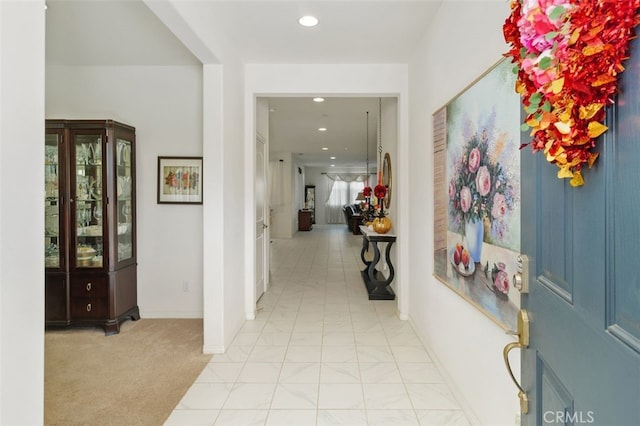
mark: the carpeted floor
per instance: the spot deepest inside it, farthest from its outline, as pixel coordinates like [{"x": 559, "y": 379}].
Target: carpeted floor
[{"x": 133, "y": 378}]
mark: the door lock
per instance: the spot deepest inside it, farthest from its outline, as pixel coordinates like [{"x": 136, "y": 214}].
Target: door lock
[
  {"x": 522, "y": 343},
  {"x": 521, "y": 278}
]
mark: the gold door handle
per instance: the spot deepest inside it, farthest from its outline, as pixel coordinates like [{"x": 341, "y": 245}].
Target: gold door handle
[{"x": 522, "y": 343}]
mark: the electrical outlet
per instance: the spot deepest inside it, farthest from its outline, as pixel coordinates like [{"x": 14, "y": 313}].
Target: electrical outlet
[{"x": 185, "y": 286}]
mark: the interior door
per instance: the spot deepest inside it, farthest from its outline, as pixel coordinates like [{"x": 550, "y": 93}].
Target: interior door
[
  {"x": 262, "y": 238},
  {"x": 583, "y": 361}
]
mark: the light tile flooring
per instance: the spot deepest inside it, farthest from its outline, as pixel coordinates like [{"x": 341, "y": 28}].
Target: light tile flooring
[{"x": 319, "y": 352}]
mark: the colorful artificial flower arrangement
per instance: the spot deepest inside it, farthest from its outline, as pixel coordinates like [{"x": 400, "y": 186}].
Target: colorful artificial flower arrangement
[
  {"x": 568, "y": 54},
  {"x": 479, "y": 189}
]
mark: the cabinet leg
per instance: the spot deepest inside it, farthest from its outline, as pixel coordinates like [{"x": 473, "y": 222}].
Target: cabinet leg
[
  {"x": 112, "y": 328},
  {"x": 135, "y": 316}
]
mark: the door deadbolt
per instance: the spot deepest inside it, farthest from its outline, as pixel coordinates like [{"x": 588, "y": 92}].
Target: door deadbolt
[{"x": 521, "y": 278}]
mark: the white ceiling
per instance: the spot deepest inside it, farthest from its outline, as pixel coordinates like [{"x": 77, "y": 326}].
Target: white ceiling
[
  {"x": 355, "y": 31},
  {"x": 94, "y": 32},
  {"x": 294, "y": 124}
]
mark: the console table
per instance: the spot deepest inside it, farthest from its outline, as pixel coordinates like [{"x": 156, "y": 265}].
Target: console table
[
  {"x": 305, "y": 222},
  {"x": 377, "y": 285}
]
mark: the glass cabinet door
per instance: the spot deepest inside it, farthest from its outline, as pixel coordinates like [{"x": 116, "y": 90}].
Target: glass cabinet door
[
  {"x": 125, "y": 206},
  {"x": 88, "y": 201},
  {"x": 52, "y": 239}
]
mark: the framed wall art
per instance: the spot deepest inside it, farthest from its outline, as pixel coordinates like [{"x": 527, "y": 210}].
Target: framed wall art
[
  {"x": 179, "y": 180},
  {"x": 477, "y": 194}
]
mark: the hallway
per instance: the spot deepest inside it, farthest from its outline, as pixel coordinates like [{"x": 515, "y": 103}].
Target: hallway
[{"x": 319, "y": 352}]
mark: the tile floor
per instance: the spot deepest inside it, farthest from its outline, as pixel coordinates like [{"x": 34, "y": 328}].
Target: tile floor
[{"x": 319, "y": 352}]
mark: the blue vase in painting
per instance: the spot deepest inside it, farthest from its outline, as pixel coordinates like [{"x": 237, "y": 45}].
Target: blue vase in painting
[{"x": 474, "y": 233}]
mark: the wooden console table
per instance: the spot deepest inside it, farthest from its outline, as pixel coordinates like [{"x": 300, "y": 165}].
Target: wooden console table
[
  {"x": 305, "y": 222},
  {"x": 377, "y": 285}
]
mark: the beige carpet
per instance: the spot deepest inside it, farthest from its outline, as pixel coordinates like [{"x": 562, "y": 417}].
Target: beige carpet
[{"x": 134, "y": 378}]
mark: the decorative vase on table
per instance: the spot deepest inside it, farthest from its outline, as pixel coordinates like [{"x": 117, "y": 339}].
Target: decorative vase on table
[
  {"x": 382, "y": 225},
  {"x": 474, "y": 233}
]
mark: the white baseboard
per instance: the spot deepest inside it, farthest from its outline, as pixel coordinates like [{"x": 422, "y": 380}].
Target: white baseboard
[
  {"x": 170, "y": 314},
  {"x": 213, "y": 349}
]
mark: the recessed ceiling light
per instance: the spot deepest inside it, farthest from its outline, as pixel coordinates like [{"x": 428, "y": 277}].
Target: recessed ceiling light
[
  {"x": 332, "y": 158},
  {"x": 318, "y": 99},
  {"x": 322, "y": 129},
  {"x": 308, "y": 21},
  {"x": 333, "y": 165},
  {"x": 324, "y": 148}
]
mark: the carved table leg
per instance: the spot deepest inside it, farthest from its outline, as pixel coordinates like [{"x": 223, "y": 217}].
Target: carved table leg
[{"x": 377, "y": 286}]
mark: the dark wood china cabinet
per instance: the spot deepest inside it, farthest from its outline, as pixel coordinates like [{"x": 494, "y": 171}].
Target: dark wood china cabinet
[{"x": 90, "y": 224}]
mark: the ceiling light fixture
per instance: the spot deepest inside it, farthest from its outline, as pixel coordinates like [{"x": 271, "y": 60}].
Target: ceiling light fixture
[
  {"x": 308, "y": 21},
  {"x": 318, "y": 99},
  {"x": 324, "y": 148},
  {"x": 332, "y": 158},
  {"x": 322, "y": 129}
]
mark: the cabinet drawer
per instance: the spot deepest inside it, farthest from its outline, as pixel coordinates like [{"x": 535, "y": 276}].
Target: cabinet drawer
[
  {"x": 88, "y": 307},
  {"x": 88, "y": 286}
]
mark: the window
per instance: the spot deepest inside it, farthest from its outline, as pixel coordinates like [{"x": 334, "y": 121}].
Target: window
[{"x": 341, "y": 193}]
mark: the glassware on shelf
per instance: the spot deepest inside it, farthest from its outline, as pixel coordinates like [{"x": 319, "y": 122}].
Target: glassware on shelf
[
  {"x": 94, "y": 188},
  {"x": 123, "y": 155},
  {"x": 94, "y": 156},
  {"x": 126, "y": 211},
  {"x": 51, "y": 256},
  {"x": 97, "y": 213},
  {"x": 51, "y": 221},
  {"x": 124, "y": 187},
  {"x": 82, "y": 154}
]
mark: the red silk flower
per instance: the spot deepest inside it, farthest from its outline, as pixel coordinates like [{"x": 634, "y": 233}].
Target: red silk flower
[{"x": 380, "y": 191}]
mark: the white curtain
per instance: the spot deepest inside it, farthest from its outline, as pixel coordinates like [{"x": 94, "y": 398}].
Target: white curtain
[{"x": 344, "y": 189}]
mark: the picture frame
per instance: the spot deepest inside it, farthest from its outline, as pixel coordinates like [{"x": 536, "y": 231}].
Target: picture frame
[
  {"x": 179, "y": 180},
  {"x": 477, "y": 194}
]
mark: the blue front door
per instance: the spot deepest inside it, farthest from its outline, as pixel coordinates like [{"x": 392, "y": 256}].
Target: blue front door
[{"x": 583, "y": 362}]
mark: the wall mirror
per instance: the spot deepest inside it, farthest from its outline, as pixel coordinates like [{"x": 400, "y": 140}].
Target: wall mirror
[{"x": 387, "y": 178}]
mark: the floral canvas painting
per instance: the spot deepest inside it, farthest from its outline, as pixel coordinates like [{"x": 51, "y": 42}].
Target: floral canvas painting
[{"x": 483, "y": 194}]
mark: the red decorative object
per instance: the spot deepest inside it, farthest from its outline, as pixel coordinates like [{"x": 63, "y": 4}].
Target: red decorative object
[
  {"x": 380, "y": 191},
  {"x": 568, "y": 55},
  {"x": 366, "y": 191}
]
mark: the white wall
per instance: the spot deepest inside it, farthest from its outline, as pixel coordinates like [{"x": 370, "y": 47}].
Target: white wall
[
  {"x": 238, "y": 206},
  {"x": 22, "y": 53},
  {"x": 164, "y": 104},
  {"x": 462, "y": 42},
  {"x": 281, "y": 216}
]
